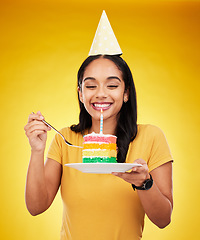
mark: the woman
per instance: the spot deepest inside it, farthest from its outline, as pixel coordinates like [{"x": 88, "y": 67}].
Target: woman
[{"x": 102, "y": 206}]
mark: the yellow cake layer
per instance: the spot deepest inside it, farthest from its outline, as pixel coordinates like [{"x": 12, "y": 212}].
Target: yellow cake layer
[
  {"x": 100, "y": 153},
  {"x": 111, "y": 146}
]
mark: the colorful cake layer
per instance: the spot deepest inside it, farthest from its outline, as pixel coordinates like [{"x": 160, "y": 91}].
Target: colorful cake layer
[
  {"x": 99, "y": 153},
  {"x": 99, "y": 148},
  {"x": 93, "y": 137},
  {"x": 91, "y": 145},
  {"x": 99, "y": 160}
]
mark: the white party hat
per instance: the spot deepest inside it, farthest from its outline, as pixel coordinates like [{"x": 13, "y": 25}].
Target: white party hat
[{"x": 105, "y": 42}]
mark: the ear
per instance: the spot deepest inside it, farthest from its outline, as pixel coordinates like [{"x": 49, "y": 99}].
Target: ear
[
  {"x": 126, "y": 95},
  {"x": 80, "y": 95}
]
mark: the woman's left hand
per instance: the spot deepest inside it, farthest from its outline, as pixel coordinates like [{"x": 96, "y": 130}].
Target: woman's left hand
[{"x": 138, "y": 174}]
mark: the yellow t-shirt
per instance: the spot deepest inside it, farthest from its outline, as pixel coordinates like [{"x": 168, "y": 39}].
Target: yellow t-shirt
[{"x": 103, "y": 206}]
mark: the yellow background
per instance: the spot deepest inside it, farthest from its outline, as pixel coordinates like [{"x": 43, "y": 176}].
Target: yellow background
[{"x": 43, "y": 43}]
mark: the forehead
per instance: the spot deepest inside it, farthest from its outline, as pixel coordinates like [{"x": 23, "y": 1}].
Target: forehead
[{"x": 102, "y": 67}]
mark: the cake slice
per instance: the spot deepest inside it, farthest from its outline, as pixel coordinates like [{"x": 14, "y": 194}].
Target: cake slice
[{"x": 99, "y": 148}]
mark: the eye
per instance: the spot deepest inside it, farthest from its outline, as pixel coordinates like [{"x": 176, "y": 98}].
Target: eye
[
  {"x": 90, "y": 86},
  {"x": 112, "y": 86}
]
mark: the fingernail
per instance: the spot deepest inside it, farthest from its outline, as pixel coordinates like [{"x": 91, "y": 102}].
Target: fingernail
[{"x": 114, "y": 173}]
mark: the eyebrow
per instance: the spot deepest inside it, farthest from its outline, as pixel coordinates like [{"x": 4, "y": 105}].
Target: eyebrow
[
  {"x": 88, "y": 78},
  {"x": 92, "y": 78},
  {"x": 114, "y": 77}
]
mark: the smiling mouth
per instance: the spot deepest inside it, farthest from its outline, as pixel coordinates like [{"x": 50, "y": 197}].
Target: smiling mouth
[{"x": 103, "y": 106}]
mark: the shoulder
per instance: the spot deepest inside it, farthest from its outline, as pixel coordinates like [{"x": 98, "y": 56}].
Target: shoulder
[
  {"x": 149, "y": 129},
  {"x": 150, "y": 133},
  {"x": 66, "y": 131}
]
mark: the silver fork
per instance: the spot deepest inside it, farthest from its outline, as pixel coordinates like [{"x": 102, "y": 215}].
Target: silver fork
[{"x": 68, "y": 143}]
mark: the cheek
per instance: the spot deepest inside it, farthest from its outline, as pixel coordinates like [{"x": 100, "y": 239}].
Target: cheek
[
  {"x": 86, "y": 96},
  {"x": 119, "y": 95}
]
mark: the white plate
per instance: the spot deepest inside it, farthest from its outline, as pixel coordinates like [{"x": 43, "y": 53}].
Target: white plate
[{"x": 103, "y": 167}]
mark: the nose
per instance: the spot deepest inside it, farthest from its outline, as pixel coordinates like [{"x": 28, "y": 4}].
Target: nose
[{"x": 101, "y": 92}]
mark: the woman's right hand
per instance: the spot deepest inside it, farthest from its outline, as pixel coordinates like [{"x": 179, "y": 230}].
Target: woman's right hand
[{"x": 36, "y": 131}]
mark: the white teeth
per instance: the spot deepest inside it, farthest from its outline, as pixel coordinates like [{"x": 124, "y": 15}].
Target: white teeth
[{"x": 101, "y": 105}]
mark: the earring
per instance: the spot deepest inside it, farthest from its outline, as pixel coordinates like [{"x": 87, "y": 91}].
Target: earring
[{"x": 125, "y": 99}]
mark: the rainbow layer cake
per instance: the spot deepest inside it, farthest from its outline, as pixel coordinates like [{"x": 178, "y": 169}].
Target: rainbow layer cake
[{"x": 99, "y": 148}]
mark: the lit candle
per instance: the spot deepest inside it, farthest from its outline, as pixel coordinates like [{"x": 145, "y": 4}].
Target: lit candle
[{"x": 101, "y": 122}]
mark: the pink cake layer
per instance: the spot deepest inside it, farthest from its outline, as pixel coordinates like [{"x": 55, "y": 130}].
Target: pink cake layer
[{"x": 104, "y": 138}]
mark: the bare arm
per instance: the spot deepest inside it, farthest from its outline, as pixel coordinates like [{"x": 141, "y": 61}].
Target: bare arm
[
  {"x": 43, "y": 180},
  {"x": 42, "y": 183},
  {"x": 157, "y": 201}
]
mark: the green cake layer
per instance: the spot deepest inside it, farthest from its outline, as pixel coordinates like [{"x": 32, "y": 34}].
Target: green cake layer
[{"x": 99, "y": 160}]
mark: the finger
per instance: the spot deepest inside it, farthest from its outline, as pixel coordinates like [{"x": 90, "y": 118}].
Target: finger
[
  {"x": 39, "y": 113},
  {"x": 34, "y": 126},
  {"x": 128, "y": 177},
  {"x": 35, "y": 116},
  {"x": 37, "y": 133},
  {"x": 139, "y": 169},
  {"x": 142, "y": 168},
  {"x": 125, "y": 175},
  {"x": 140, "y": 161},
  {"x": 134, "y": 169},
  {"x": 133, "y": 178},
  {"x": 32, "y": 123},
  {"x": 39, "y": 127},
  {"x": 36, "y": 137}
]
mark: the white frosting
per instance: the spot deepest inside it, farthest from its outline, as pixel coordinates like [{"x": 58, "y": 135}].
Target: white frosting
[{"x": 100, "y": 135}]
